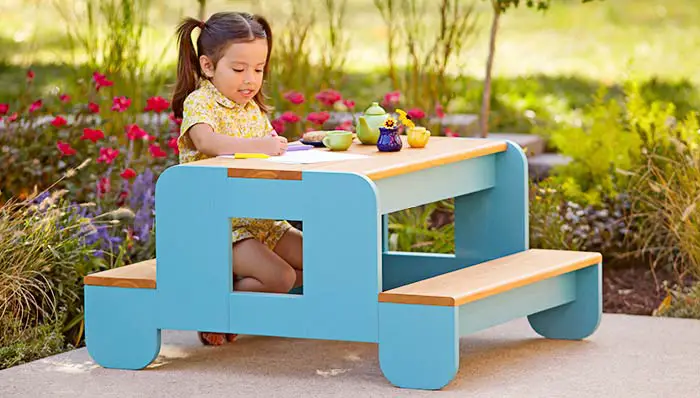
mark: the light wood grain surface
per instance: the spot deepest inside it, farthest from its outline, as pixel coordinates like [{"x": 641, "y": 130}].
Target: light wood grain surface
[
  {"x": 139, "y": 275},
  {"x": 490, "y": 278},
  {"x": 439, "y": 151}
]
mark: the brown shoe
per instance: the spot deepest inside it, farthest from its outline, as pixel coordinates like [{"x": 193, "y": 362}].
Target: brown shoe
[
  {"x": 209, "y": 338},
  {"x": 231, "y": 337}
]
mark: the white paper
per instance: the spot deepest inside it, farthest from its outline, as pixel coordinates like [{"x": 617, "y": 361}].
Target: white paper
[{"x": 313, "y": 156}]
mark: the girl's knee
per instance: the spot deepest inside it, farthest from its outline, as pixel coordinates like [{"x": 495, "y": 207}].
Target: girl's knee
[{"x": 285, "y": 280}]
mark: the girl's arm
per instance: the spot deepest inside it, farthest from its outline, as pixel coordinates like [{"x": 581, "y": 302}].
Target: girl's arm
[{"x": 212, "y": 144}]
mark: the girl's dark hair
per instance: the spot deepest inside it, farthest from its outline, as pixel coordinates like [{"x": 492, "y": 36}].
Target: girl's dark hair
[{"x": 220, "y": 30}]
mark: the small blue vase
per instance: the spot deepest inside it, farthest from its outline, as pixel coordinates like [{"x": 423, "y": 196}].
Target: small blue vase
[{"x": 389, "y": 140}]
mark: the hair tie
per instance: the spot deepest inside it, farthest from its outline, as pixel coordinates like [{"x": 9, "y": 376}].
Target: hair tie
[{"x": 202, "y": 24}]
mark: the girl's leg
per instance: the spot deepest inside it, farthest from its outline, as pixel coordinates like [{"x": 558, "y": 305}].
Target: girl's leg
[
  {"x": 290, "y": 249},
  {"x": 260, "y": 269}
]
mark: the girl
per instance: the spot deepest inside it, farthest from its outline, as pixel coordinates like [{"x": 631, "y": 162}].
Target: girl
[{"x": 218, "y": 96}]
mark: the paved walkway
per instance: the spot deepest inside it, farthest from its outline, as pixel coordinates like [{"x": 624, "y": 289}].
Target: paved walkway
[{"x": 629, "y": 356}]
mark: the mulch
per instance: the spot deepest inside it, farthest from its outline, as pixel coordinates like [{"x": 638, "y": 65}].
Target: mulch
[{"x": 633, "y": 290}]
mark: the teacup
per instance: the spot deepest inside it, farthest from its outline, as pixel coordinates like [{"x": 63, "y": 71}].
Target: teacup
[
  {"x": 418, "y": 137},
  {"x": 338, "y": 140}
]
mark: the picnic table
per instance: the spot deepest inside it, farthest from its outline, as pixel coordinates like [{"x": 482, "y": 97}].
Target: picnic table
[{"x": 415, "y": 306}]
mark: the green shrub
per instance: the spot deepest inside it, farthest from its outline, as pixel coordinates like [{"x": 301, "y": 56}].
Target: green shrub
[
  {"x": 413, "y": 230},
  {"x": 20, "y": 344},
  {"x": 681, "y": 303}
]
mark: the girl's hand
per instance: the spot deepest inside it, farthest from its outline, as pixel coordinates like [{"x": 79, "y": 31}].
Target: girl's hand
[{"x": 274, "y": 145}]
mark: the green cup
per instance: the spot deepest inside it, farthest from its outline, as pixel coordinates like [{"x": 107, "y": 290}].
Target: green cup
[{"x": 338, "y": 140}]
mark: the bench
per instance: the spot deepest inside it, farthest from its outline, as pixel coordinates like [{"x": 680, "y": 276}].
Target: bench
[
  {"x": 420, "y": 323},
  {"x": 138, "y": 275}
]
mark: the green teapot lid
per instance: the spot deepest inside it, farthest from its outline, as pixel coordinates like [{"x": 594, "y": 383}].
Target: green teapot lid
[{"x": 375, "y": 110}]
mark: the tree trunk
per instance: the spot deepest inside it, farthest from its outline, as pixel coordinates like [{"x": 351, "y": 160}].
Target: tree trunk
[
  {"x": 486, "y": 100},
  {"x": 202, "y": 9}
]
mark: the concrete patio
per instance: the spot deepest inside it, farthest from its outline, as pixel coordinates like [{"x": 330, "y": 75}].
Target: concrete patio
[{"x": 629, "y": 356}]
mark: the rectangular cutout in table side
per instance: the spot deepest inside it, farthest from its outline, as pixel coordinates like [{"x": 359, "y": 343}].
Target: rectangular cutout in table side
[{"x": 379, "y": 165}]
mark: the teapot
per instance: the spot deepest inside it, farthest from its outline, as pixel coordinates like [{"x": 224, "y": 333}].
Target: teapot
[{"x": 368, "y": 125}]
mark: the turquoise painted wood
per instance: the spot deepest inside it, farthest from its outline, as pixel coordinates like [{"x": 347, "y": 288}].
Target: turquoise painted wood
[
  {"x": 418, "y": 345},
  {"x": 494, "y": 223},
  {"x": 578, "y": 319},
  {"x": 121, "y": 328},
  {"x": 438, "y": 183},
  {"x": 346, "y": 265},
  {"x": 342, "y": 276}
]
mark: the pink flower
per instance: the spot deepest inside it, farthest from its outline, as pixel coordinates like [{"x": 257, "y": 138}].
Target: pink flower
[
  {"x": 415, "y": 113},
  {"x": 172, "y": 143},
  {"x": 346, "y": 125},
  {"x": 12, "y": 118},
  {"x": 278, "y": 125},
  {"x": 329, "y": 97},
  {"x": 290, "y": 117},
  {"x": 439, "y": 111},
  {"x": 294, "y": 97},
  {"x": 107, "y": 155},
  {"x": 35, "y": 106},
  {"x": 30, "y": 75},
  {"x": 392, "y": 98},
  {"x": 450, "y": 133},
  {"x": 65, "y": 148},
  {"x": 128, "y": 174},
  {"x": 65, "y": 98},
  {"x": 350, "y": 104},
  {"x": 103, "y": 186},
  {"x": 4, "y": 108},
  {"x": 156, "y": 104},
  {"x": 92, "y": 135},
  {"x": 121, "y": 104},
  {"x": 59, "y": 121},
  {"x": 318, "y": 118},
  {"x": 101, "y": 81},
  {"x": 134, "y": 132},
  {"x": 93, "y": 107},
  {"x": 157, "y": 151},
  {"x": 176, "y": 120}
]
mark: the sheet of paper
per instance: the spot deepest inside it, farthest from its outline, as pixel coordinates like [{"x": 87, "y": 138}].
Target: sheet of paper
[{"x": 314, "y": 156}]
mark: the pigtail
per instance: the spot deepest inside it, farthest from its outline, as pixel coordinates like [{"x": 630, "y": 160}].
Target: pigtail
[
  {"x": 188, "y": 69},
  {"x": 260, "y": 96}
]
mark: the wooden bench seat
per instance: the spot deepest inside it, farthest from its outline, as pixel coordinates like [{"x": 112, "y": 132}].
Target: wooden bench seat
[
  {"x": 490, "y": 278},
  {"x": 139, "y": 275}
]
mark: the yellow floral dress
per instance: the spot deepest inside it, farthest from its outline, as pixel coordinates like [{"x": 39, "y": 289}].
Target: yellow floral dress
[{"x": 208, "y": 105}]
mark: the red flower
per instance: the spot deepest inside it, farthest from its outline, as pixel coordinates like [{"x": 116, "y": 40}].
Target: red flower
[
  {"x": 318, "y": 117},
  {"x": 329, "y": 97},
  {"x": 93, "y": 107},
  {"x": 134, "y": 132},
  {"x": 156, "y": 104},
  {"x": 346, "y": 125},
  {"x": 392, "y": 98},
  {"x": 35, "y": 106},
  {"x": 122, "y": 198},
  {"x": 439, "y": 111},
  {"x": 120, "y": 104},
  {"x": 176, "y": 120},
  {"x": 157, "y": 151},
  {"x": 450, "y": 133},
  {"x": 290, "y": 117},
  {"x": 4, "y": 108},
  {"x": 92, "y": 135},
  {"x": 107, "y": 155},
  {"x": 59, "y": 121},
  {"x": 350, "y": 104},
  {"x": 65, "y": 98},
  {"x": 103, "y": 186},
  {"x": 65, "y": 149},
  {"x": 278, "y": 125},
  {"x": 172, "y": 143},
  {"x": 101, "y": 81},
  {"x": 12, "y": 117},
  {"x": 415, "y": 113},
  {"x": 30, "y": 75},
  {"x": 128, "y": 173},
  {"x": 294, "y": 97}
]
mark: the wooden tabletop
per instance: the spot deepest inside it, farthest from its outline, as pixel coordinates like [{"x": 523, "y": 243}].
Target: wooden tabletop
[{"x": 439, "y": 151}]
